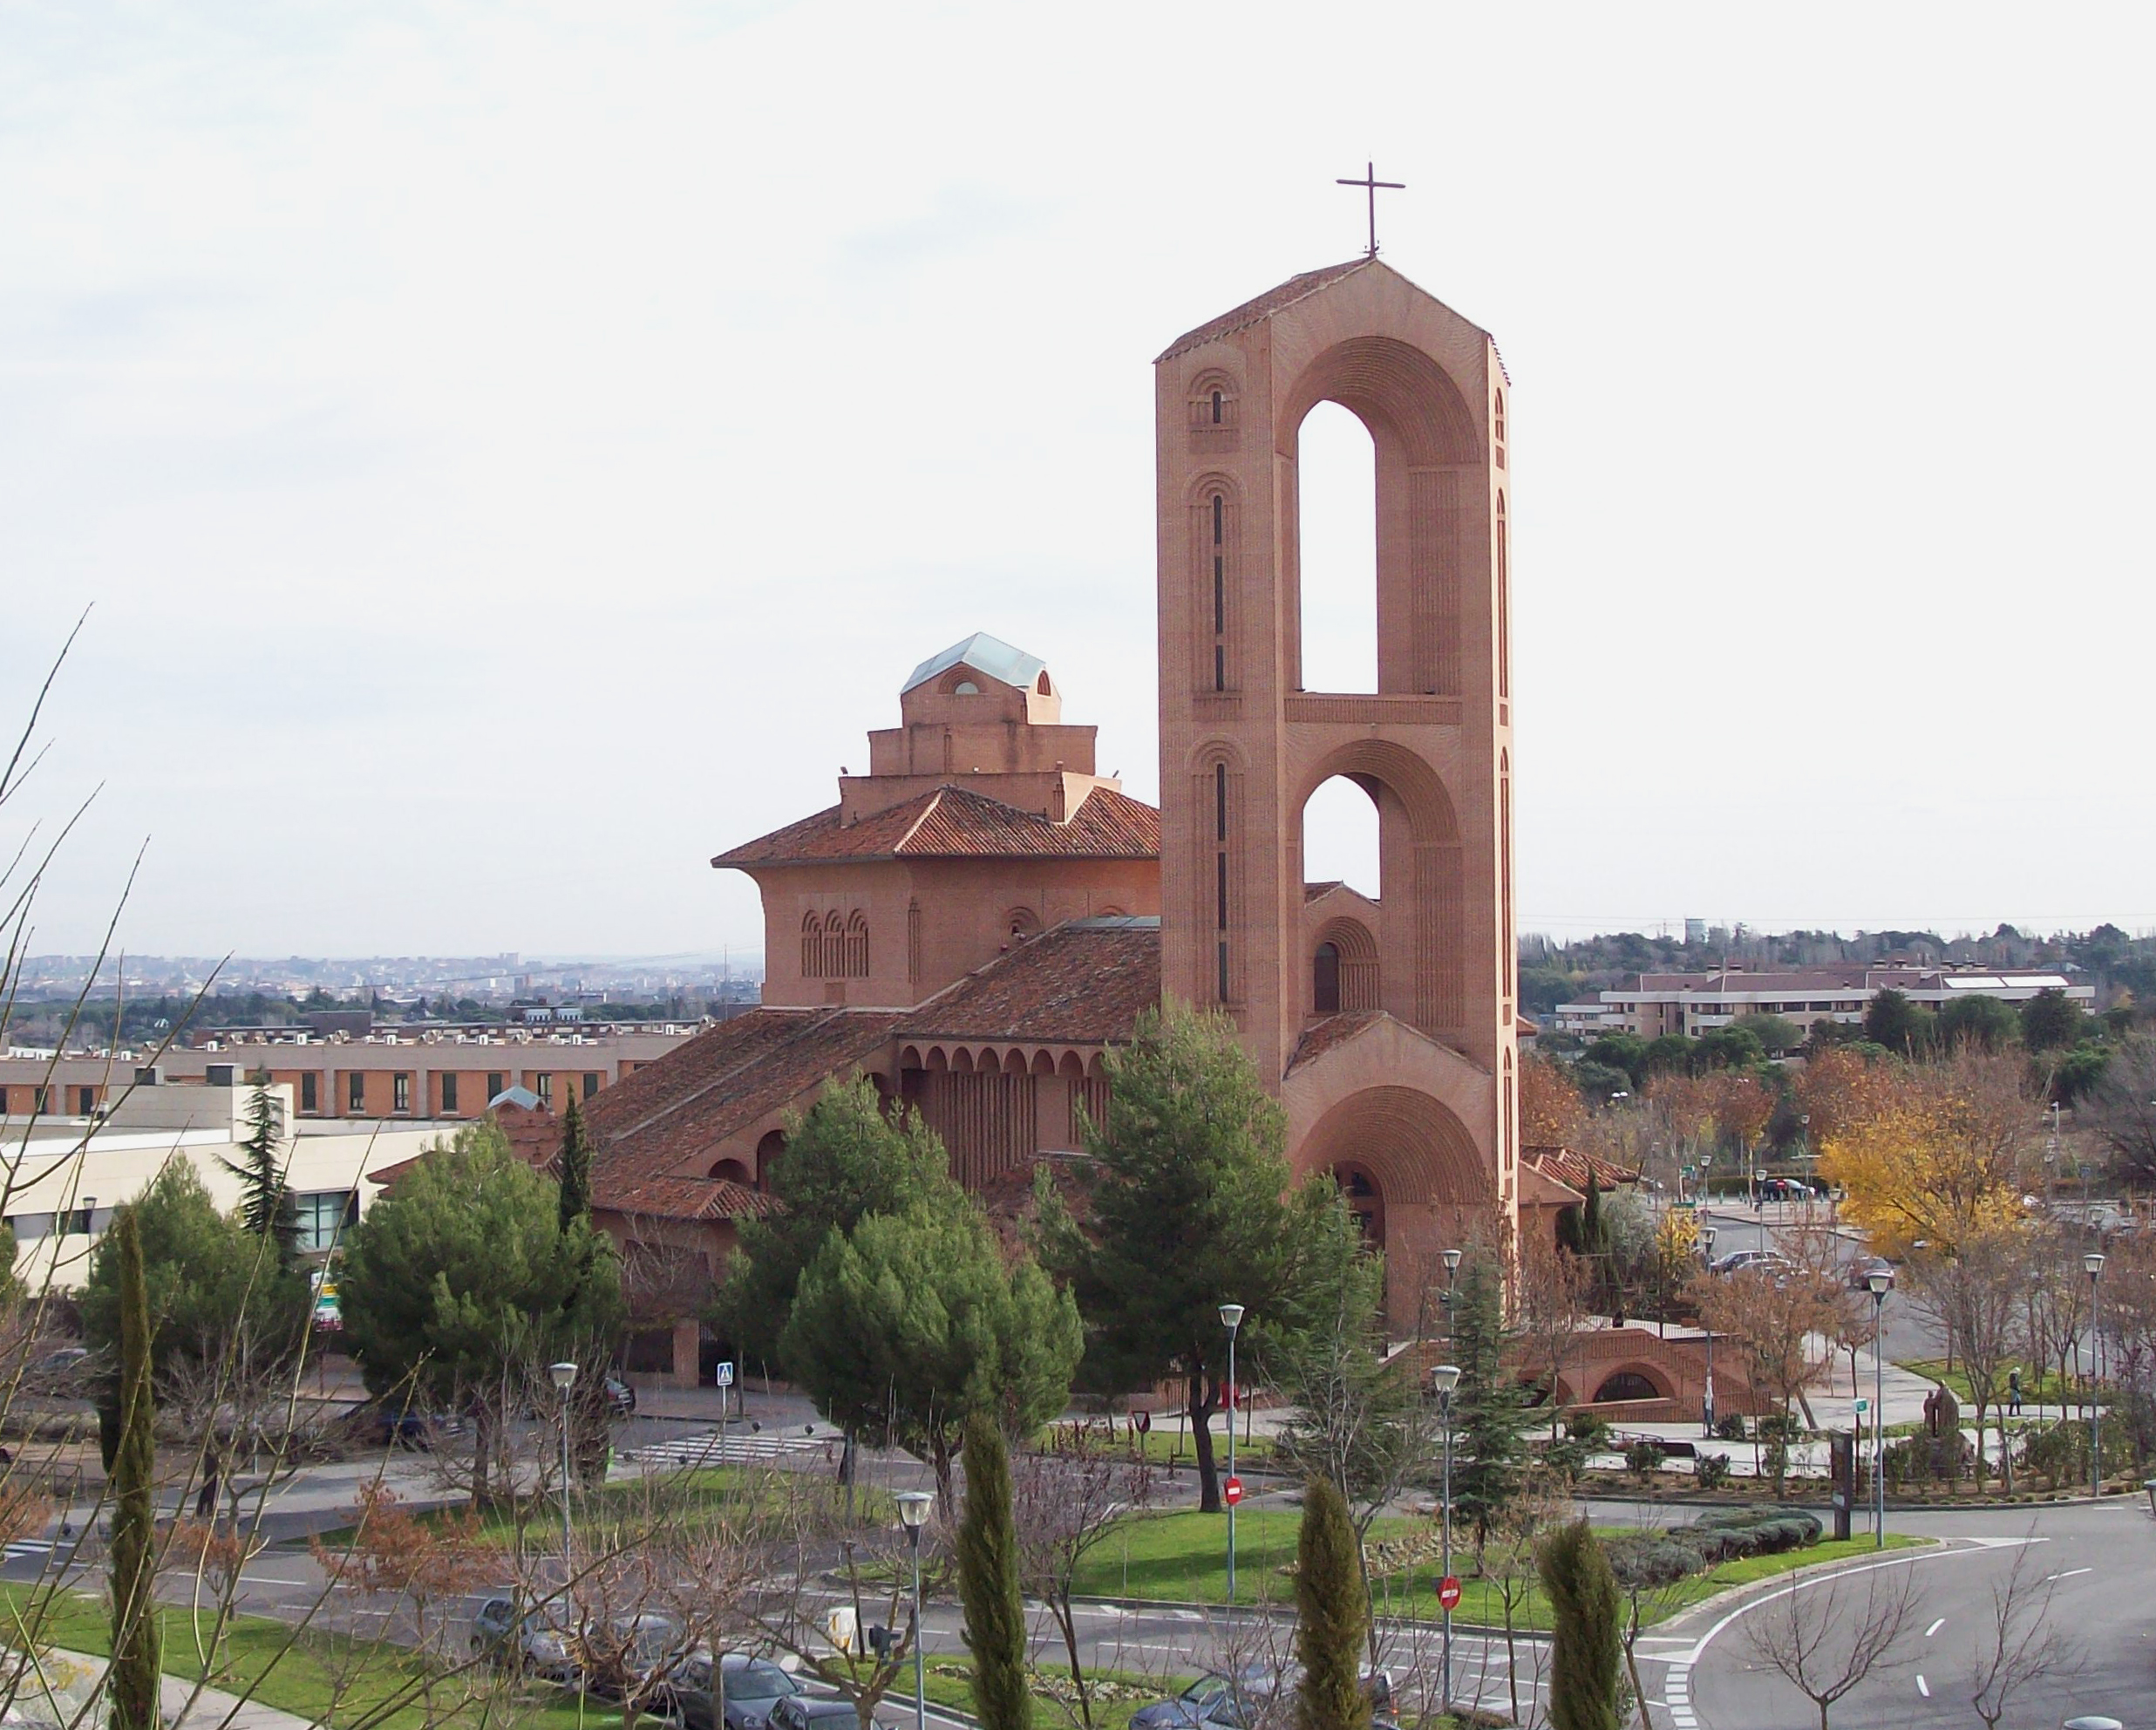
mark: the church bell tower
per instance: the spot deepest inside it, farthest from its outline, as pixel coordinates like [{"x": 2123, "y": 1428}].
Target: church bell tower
[{"x": 1386, "y": 1027}]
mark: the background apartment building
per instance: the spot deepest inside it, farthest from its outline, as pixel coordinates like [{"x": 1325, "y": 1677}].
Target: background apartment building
[
  {"x": 1691, "y": 1004},
  {"x": 385, "y": 1075}
]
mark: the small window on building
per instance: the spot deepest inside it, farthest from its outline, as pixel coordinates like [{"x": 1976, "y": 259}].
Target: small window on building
[
  {"x": 449, "y": 1094},
  {"x": 965, "y": 687},
  {"x": 496, "y": 1085},
  {"x": 85, "y": 1101},
  {"x": 41, "y": 1100},
  {"x": 355, "y": 1092},
  {"x": 546, "y": 1091},
  {"x": 1219, "y": 400},
  {"x": 400, "y": 1091},
  {"x": 80, "y": 1222},
  {"x": 1325, "y": 980},
  {"x": 591, "y": 1082},
  {"x": 309, "y": 1092}
]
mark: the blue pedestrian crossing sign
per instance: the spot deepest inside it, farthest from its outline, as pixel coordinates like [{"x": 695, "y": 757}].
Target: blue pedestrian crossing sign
[{"x": 724, "y": 1376}]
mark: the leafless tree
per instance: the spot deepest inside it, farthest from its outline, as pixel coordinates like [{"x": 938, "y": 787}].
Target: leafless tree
[
  {"x": 1825, "y": 1637},
  {"x": 2123, "y": 1110},
  {"x": 1976, "y": 1296},
  {"x": 1553, "y": 1295},
  {"x": 2020, "y": 1643},
  {"x": 1065, "y": 1500}
]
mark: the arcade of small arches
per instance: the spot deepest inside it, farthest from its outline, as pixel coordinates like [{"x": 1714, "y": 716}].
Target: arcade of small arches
[{"x": 834, "y": 946}]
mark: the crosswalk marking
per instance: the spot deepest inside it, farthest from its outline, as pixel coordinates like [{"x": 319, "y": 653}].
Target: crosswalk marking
[{"x": 710, "y": 1447}]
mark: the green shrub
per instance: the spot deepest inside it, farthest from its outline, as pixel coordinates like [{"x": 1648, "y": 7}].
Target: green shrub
[
  {"x": 1712, "y": 1470},
  {"x": 1641, "y": 1458},
  {"x": 1730, "y": 1427}
]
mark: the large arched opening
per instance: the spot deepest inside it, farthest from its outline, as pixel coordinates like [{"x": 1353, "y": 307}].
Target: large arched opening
[
  {"x": 1336, "y": 513},
  {"x": 1340, "y": 836}
]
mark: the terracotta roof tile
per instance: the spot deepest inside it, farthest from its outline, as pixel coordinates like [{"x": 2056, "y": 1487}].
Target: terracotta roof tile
[
  {"x": 955, "y": 823},
  {"x": 1272, "y": 300},
  {"x": 1334, "y": 1029},
  {"x": 1571, "y": 1168},
  {"x": 1080, "y": 983},
  {"x": 663, "y": 1125}
]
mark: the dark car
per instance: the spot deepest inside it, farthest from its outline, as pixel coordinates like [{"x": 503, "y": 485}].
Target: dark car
[
  {"x": 631, "y": 1649},
  {"x": 754, "y": 1688},
  {"x": 808, "y": 1711},
  {"x": 537, "y": 1645},
  {"x": 394, "y": 1423},
  {"x": 1256, "y": 1698}
]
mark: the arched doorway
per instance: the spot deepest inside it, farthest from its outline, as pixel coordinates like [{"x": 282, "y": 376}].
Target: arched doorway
[{"x": 1366, "y": 1200}]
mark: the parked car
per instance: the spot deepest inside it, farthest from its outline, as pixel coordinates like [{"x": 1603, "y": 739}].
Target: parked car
[
  {"x": 1863, "y": 1267},
  {"x": 1257, "y": 1697},
  {"x": 390, "y": 1422},
  {"x": 621, "y": 1397},
  {"x": 754, "y": 1688},
  {"x": 632, "y": 1646},
  {"x": 1737, "y": 1260},
  {"x": 812, "y": 1711},
  {"x": 537, "y": 1645}
]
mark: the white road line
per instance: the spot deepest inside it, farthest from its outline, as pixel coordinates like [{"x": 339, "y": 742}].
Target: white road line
[
  {"x": 2068, "y": 1575},
  {"x": 1935, "y": 1627},
  {"x": 1922, "y": 1686}
]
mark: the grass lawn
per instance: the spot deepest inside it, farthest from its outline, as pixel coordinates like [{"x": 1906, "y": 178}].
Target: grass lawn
[
  {"x": 263, "y": 1660},
  {"x": 1182, "y": 1557},
  {"x": 2051, "y": 1391},
  {"x": 1117, "y": 1693}
]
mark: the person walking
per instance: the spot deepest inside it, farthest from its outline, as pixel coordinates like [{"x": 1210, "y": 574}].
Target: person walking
[{"x": 2013, "y": 1394}]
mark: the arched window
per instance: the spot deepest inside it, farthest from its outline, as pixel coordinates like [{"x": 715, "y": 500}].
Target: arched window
[
  {"x": 834, "y": 946},
  {"x": 965, "y": 687},
  {"x": 732, "y": 1171},
  {"x": 1325, "y": 980},
  {"x": 1041, "y": 684},
  {"x": 1219, "y": 592},
  {"x": 1500, "y": 422},
  {"x": 1627, "y": 1384},
  {"x": 1219, "y": 398},
  {"x": 857, "y": 947},
  {"x": 1336, "y": 480},
  {"x": 1021, "y": 922},
  {"x": 811, "y": 947}
]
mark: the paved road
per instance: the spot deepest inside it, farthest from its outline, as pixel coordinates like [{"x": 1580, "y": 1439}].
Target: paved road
[{"x": 2100, "y": 1562}]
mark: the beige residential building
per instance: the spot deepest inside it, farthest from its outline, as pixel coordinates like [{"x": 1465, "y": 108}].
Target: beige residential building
[{"x": 1692, "y": 1004}]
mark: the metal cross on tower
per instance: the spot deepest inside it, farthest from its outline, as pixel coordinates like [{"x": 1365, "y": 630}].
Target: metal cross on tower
[{"x": 1371, "y": 184}]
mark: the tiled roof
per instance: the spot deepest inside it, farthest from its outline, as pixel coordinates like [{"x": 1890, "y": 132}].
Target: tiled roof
[
  {"x": 1080, "y": 985},
  {"x": 955, "y": 822},
  {"x": 1272, "y": 300},
  {"x": 1571, "y": 1168},
  {"x": 1334, "y": 1029},
  {"x": 660, "y": 1127}
]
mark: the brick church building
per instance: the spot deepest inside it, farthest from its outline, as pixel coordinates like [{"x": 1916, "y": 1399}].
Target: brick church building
[{"x": 979, "y": 919}]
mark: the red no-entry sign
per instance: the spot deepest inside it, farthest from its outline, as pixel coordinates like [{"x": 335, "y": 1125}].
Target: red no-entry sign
[
  {"x": 1448, "y": 1591},
  {"x": 1231, "y": 1492}
]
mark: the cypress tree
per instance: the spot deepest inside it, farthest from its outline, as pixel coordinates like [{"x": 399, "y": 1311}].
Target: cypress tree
[
  {"x": 1584, "y": 1646},
  {"x": 136, "y": 1669},
  {"x": 1331, "y": 1611},
  {"x": 989, "y": 1581},
  {"x": 576, "y": 1166}
]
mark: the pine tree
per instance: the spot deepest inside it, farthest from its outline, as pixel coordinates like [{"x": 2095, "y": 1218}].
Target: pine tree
[
  {"x": 1489, "y": 1407},
  {"x": 989, "y": 1581},
  {"x": 136, "y": 1667},
  {"x": 1584, "y": 1646},
  {"x": 576, "y": 1166},
  {"x": 266, "y": 1205},
  {"x": 1331, "y": 1612}
]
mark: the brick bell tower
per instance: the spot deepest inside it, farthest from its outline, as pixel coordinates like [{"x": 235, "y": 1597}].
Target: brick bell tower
[{"x": 1386, "y": 1027}]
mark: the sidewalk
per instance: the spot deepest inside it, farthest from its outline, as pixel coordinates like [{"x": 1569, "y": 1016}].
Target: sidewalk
[{"x": 72, "y": 1681}]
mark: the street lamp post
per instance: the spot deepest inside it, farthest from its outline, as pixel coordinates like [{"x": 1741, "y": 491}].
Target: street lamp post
[
  {"x": 1231, "y": 1319},
  {"x": 2092, "y": 1265},
  {"x": 1445, "y": 1378},
  {"x": 1882, "y": 1282},
  {"x": 1452, "y": 1276},
  {"x": 913, "y": 1509},
  {"x": 1706, "y": 1255},
  {"x": 563, "y": 1376}
]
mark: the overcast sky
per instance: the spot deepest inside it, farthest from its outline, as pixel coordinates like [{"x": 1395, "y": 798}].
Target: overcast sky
[{"x": 515, "y": 452}]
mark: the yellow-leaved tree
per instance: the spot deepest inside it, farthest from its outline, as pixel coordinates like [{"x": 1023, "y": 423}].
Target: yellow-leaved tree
[{"x": 1938, "y": 1153}]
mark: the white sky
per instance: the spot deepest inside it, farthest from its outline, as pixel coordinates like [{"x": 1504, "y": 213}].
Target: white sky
[{"x": 516, "y": 451}]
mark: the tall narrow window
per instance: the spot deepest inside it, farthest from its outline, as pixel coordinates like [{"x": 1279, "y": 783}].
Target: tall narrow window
[
  {"x": 546, "y": 1089},
  {"x": 449, "y": 1094},
  {"x": 1221, "y": 888},
  {"x": 1216, "y": 408},
  {"x": 1220, "y": 591},
  {"x": 591, "y": 1083},
  {"x": 1325, "y": 980},
  {"x": 355, "y": 1092},
  {"x": 1220, "y": 801},
  {"x": 1504, "y": 605},
  {"x": 400, "y": 1091},
  {"x": 85, "y": 1100},
  {"x": 811, "y": 947},
  {"x": 309, "y": 1099},
  {"x": 1220, "y": 876}
]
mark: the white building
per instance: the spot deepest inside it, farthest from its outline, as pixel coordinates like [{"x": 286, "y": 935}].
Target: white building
[
  {"x": 1690, "y": 1004},
  {"x": 63, "y": 1176}
]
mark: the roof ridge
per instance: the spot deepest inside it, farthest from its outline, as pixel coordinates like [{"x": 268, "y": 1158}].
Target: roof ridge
[{"x": 935, "y": 798}]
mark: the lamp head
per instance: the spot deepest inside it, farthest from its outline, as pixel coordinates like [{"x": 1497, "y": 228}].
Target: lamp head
[
  {"x": 1231, "y": 1316},
  {"x": 1445, "y": 1378},
  {"x": 2092, "y": 1263},
  {"x": 562, "y": 1375},
  {"x": 913, "y": 1508},
  {"x": 1452, "y": 1261},
  {"x": 1707, "y": 1235},
  {"x": 1880, "y": 1280}
]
